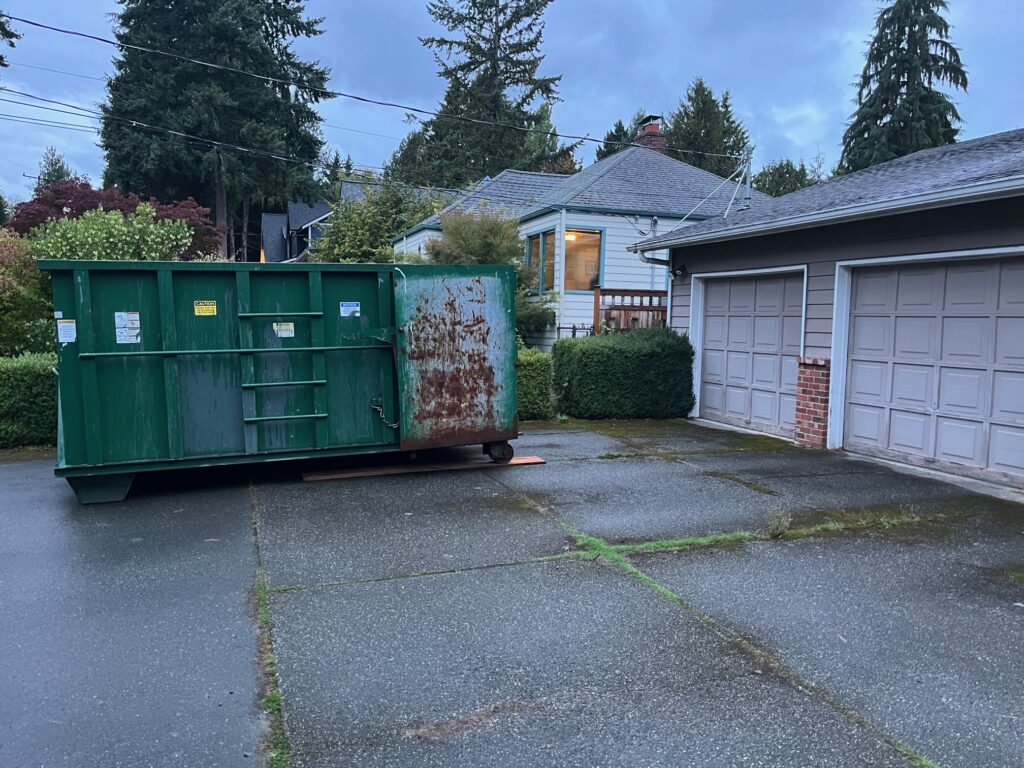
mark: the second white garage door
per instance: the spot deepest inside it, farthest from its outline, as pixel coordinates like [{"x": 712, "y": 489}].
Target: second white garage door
[
  {"x": 936, "y": 366},
  {"x": 750, "y": 348}
]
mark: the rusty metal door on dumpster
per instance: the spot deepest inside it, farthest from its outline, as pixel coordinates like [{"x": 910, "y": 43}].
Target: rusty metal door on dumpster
[{"x": 456, "y": 355}]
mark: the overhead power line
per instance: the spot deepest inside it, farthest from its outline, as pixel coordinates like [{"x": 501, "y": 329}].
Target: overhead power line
[
  {"x": 56, "y": 71},
  {"x": 342, "y": 94}
]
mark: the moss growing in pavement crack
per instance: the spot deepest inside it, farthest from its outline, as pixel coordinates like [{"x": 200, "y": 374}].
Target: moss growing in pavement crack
[
  {"x": 762, "y": 656},
  {"x": 742, "y": 481},
  {"x": 276, "y": 750},
  {"x": 691, "y": 542}
]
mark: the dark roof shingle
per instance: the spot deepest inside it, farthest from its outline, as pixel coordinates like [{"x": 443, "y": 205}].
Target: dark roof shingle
[{"x": 951, "y": 169}]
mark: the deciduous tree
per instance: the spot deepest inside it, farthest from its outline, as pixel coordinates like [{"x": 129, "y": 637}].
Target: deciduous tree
[{"x": 899, "y": 108}]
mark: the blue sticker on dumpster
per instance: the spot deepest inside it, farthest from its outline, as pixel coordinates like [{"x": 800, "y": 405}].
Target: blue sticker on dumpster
[{"x": 348, "y": 308}]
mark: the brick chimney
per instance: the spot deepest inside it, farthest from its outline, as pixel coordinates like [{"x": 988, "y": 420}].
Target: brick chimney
[{"x": 650, "y": 134}]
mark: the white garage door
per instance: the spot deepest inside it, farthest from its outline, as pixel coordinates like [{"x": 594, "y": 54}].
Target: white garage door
[
  {"x": 751, "y": 342},
  {"x": 936, "y": 365}
]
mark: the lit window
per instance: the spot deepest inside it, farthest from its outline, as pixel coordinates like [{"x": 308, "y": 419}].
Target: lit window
[
  {"x": 540, "y": 255},
  {"x": 582, "y": 259}
]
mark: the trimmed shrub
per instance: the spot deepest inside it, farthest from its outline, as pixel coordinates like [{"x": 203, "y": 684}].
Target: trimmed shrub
[
  {"x": 643, "y": 374},
  {"x": 28, "y": 400},
  {"x": 535, "y": 372}
]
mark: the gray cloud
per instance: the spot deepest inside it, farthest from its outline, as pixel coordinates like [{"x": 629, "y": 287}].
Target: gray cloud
[{"x": 789, "y": 64}]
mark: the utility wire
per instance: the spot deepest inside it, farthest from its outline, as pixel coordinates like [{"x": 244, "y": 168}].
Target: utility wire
[
  {"x": 55, "y": 71},
  {"x": 342, "y": 94}
]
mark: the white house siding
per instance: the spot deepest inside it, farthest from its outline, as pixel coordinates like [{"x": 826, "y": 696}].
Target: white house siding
[
  {"x": 416, "y": 243},
  {"x": 620, "y": 268}
]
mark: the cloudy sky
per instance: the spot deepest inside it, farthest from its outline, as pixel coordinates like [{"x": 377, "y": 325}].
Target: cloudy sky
[{"x": 788, "y": 63}]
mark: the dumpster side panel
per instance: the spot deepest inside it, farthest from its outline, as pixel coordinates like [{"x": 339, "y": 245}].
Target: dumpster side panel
[
  {"x": 457, "y": 355},
  {"x": 131, "y": 409},
  {"x": 204, "y": 315}
]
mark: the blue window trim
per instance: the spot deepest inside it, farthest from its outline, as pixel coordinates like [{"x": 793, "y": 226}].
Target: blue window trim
[
  {"x": 540, "y": 269},
  {"x": 600, "y": 263}
]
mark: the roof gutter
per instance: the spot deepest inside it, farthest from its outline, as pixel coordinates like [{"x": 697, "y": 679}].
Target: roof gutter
[{"x": 973, "y": 194}]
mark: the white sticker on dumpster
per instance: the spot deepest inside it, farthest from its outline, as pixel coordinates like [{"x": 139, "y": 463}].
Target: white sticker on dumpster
[
  {"x": 284, "y": 330},
  {"x": 67, "y": 331},
  {"x": 348, "y": 309},
  {"x": 127, "y": 327}
]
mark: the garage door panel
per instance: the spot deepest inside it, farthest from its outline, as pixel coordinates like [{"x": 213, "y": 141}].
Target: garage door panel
[
  {"x": 966, "y": 339},
  {"x": 1008, "y": 396},
  {"x": 1010, "y": 341},
  {"x": 716, "y": 296},
  {"x": 793, "y": 297},
  {"x": 737, "y": 368},
  {"x": 737, "y": 402},
  {"x": 920, "y": 290},
  {"x": 875, "y": 292},
  {"x": 959, "y": 441},
  {"x": 790, "y": 366},
  {"x": 714, "y": 331},
  {"x": 787, "y": 410},
  {"x": 865, "y": 424},
  {"x": 868, "y": 380},
  {"x": 972, "y": 288},
  {"x": 764, "y": 406},
  {"x": 1011, "y": 288},
  {"x": 769, "y": 295},
  {"x": 962, "y": 391},
  {"x": 741, "y": 296},
  {"x": 713, "y": 365},
  {"x": 739, "y": 333},
  {"x": 791, "y": 335},
  {"x": 954, "y": 392},
  {"x": 910, "y": 432},
  {"x": 712, "y": 398},
  {"x": 765, "y": 371},
  {"x": 767, "y": 333},
  {"x": 1006, "y": 449},
  {"x": 912, "y": 385},
  {"x": 916, "y": 338},
  {"x": 870, "y": 336}
]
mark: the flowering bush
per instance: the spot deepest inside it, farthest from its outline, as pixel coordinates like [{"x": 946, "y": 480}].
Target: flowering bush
[
  {"x": 25, "y": 324},
  {"x": 71, "y": 198},
  {"x": 111, "y": 235}
]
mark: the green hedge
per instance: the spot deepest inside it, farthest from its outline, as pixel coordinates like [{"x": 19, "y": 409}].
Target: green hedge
[
  {"x": 643, "y": 374},
  {"x": 535, "y": 373},
  {"x": 28, "y": 400}
]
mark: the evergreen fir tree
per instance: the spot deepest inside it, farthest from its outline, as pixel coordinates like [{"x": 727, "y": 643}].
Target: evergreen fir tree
[
  {"x": 782, "y": 177},
  {"x": 250, "y": 35},
  {"x": 706, "y": 124},
  {"x": 52, "y": 167},
  {"x": 899, "y": 109},
  {"x": 620, "y": 135},
  {"x": 7, "y": 36},
  {"x": 491, "y": 60}
]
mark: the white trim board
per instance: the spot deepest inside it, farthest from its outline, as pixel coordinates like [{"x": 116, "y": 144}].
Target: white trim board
[
  {"x": 841, "y": 320},
  {"x": 696, "y": 332}
]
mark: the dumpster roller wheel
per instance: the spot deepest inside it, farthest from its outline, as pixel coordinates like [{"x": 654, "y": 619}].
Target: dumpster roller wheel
[{"x": 500, "y": 453}]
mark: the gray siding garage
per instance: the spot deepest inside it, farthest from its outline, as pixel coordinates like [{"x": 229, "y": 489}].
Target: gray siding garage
[
  {"x": 936, "y": 364},
  {"x": 900, "y": 331}
]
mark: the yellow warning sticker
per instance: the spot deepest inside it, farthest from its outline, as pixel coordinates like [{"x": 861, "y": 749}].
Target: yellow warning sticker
[{"x": 205, "y": 308}]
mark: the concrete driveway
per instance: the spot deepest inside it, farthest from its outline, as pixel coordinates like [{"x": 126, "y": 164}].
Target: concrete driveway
[{"x": 657, "y": 594}]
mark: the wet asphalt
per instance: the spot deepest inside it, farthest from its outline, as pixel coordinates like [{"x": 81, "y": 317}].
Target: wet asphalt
[{"x": 435, "y": 619}]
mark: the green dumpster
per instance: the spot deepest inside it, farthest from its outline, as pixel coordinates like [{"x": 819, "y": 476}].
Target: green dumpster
[{"x": 168, "y": 364}]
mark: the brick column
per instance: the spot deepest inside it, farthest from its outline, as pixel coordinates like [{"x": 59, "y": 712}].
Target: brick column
[{"x": 812, "y": 378}]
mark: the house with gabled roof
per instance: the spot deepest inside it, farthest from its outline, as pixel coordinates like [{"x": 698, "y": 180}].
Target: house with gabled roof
[
  {"x": 881, "y": 312},
  {"x": 577, "y": 228}
]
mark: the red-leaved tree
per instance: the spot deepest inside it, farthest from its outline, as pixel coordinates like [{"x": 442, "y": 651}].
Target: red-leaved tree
[{"x": 70, "y": 199}]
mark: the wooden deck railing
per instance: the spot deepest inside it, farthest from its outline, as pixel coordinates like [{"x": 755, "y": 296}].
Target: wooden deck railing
[{"x": 624, "y": 309}]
